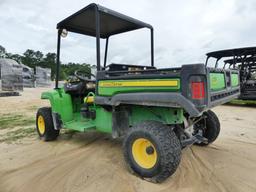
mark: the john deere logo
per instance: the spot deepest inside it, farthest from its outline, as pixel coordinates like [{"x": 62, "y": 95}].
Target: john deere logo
[
  {"x": 111, "y": 84},
  {"x": 138, "y": 83}
]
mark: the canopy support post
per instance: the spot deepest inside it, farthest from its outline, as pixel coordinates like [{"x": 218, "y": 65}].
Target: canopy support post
[
  {"x": 206, "y": 62},
  {"x": 152, "y": 46},
  {"x": 106, "y": 52},
  {"x": 58, "y": 59},
  {"x": 97, "y": 17},
  {"x": 216, "y": 63}
]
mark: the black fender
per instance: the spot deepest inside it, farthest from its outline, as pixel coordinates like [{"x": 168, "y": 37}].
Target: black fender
[{"x": 164, "y": 99}]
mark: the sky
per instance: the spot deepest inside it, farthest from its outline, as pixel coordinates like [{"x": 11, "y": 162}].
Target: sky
[{"x": 184, "y": 30}]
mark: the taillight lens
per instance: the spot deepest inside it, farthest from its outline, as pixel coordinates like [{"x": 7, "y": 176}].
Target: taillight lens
[{"x": 197, "y": 89}]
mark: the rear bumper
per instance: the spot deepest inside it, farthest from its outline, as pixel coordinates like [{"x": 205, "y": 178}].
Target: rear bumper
[{"x": 218, "y": 98}]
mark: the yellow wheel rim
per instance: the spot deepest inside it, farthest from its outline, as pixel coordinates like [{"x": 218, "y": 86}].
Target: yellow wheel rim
[
  {"x": 41, "y": 124},
  {"x": 144, "y": 153}
]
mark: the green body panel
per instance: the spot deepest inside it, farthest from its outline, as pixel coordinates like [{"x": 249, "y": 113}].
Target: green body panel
[
  {"x": 217, "y": 81},
  {"x": 112, "y": 90},
  {"x": 79, "y": 123},
  {"x": 103, "y": 120},
  {"x": 61, "y": 103},
  {"x": 71, "y": 117},
  {"x": 234, "y": 79},
  {"x": 161, "y": 114}
]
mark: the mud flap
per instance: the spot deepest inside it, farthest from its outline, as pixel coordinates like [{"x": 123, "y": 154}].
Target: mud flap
[{"x": 57, "y": 122}]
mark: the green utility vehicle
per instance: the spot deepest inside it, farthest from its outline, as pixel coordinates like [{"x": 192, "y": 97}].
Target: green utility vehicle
[
  {"x": 157, "y": 112},
  {"x": 242, "y": 59}
]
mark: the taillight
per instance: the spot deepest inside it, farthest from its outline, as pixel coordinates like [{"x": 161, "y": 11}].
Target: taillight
[{"x": 197, "y": 89}]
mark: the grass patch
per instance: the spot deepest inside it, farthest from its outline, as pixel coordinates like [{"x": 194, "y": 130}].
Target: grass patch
[
  {"x": 243, "y": 102},
  {"x": 15, "y": 135},
  {"x": 33, "y": 108},
  {"x": 9, "y": 121}
]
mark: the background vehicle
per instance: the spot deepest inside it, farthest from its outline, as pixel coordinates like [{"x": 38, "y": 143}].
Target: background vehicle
[
  {"x": 244, "y": 60},
  {"x": 157, "y": 111}
]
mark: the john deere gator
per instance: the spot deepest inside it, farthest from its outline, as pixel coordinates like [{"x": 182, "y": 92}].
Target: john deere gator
[
  {"x": 242, "y": 59},
  {"x": 157, "y": 112}
]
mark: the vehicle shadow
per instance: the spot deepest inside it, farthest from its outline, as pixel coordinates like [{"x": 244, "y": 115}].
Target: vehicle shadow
[
  {"x": 252, "y": 105},
  {"x": 86, "y": 138}
]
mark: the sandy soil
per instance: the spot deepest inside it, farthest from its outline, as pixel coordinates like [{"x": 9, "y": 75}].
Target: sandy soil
[{"x": 94, "y": 162}]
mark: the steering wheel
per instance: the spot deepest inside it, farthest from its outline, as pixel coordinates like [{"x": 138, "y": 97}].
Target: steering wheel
[{"x": 82, "y": 76}]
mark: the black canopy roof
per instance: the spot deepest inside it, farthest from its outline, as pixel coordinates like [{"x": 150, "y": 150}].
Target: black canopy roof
[
  {"x": 111, "y": 22},
  {"x": 232, "y": 52}
]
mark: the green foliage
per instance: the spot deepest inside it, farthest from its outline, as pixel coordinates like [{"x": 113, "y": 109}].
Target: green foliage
[
  {"x": 33, "y": 59},
  {"x": 2, "y": 52},
  {"x": 15, "y": 135},
  {"x": 70, "y": 68},
  {"x": 9, "y": 121},
  {"x": 15, "y": 57},
  {"x": 243, "y": 102}
]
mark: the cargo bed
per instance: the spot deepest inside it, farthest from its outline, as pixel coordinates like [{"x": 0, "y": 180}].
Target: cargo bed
[{"x": 193, "y": 87}]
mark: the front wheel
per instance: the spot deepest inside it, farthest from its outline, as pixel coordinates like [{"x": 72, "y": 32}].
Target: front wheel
[
  {"x": 152, "y": 150},
  {"x": 44, "y": 124}
]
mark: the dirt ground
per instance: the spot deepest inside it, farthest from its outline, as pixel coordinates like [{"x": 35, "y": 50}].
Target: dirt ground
[{"x": 91, "y": 161}]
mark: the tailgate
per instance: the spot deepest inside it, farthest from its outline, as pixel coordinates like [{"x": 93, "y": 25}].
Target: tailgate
[
  {"x": 223, "y": 85},
  {"x": 207, "y": 87}
]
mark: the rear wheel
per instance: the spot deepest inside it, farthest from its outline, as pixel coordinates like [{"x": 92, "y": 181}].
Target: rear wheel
[
  {"x": 152, "y": 150},
  {"x": 211, "y": 127},
  {"x": 44, "y": 124}
]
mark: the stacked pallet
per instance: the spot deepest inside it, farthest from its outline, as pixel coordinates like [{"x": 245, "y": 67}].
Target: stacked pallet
[{"x": 11, "y": 75}]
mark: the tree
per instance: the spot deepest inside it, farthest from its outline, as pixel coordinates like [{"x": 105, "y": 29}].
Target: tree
[
  {"x": 2, "y": 52},
  {"x": 15, "y": 57},
  {"x": 50, "y": 58},
  {"x": 49, "y": 61},
  {"x": 38, "y": 55},
  {"x": 28, "y": 58},
  {"x": 32, "y": 58}
]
